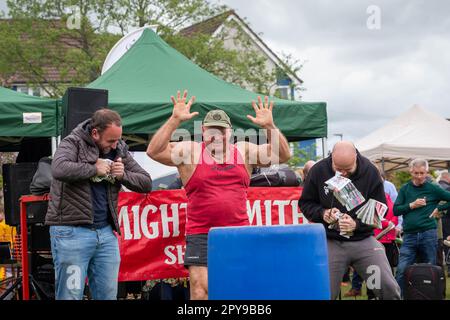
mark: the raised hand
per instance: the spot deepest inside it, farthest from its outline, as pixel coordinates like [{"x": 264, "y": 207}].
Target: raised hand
[
  {"x": 263, "y": 112},
  {"x": 181, "y": 109}
]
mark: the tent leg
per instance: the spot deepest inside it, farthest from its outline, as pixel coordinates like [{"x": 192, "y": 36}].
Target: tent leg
[
  {"x": 382, "y": 164},
  {"x": 324, "y": 148},
  {"x": 55, "y": 143}
]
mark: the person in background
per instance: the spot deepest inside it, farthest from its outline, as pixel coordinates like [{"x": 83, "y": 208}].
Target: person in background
[
  {"x": 444, "y": 183},
  {"x": 391, "y": 190},
  {"x": 418, "y": 202},
  {"x": 308, "y": 165}
]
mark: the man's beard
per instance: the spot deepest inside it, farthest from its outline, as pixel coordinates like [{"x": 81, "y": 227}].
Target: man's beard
[{"x": 105, "y": 150}]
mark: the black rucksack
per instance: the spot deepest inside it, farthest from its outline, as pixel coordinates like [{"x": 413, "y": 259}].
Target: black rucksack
[
  {"x": 42, "y": 179},
  {"x": 424, "y": 281},
  {"x": 275, "y": 177}
]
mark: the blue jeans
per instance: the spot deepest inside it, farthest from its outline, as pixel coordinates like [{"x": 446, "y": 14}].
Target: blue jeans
[
  {"x": 423, "y": 244},
  {"x": 79, "y": 252}
]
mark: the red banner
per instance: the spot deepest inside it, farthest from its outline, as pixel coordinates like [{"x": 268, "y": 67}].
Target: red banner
[{"x": 152, "y": 225}]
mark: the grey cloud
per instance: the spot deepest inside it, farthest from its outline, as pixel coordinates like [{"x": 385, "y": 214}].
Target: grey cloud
[
  {"x": 342, "y": 24},
  {"x": 367, "y": 77}
]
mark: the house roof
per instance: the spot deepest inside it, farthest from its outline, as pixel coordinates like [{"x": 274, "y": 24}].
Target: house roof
[
  {"x": 50, "y": 73},
  {"x": 208, "y": 26},
  {"x": 213, "y": 25}
]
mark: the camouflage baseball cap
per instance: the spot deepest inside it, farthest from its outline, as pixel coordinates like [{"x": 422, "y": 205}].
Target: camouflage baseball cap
[{"x": 217, "y": 118}]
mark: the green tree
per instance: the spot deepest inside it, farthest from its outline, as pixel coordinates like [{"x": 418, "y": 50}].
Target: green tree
[
  {"x": 42, "y": 43},
  {"x": 171, "y": 15},
  {"x": 37, "y": 37},
  {"x": 300, "y": 156},
  {"x": 399, "y": 178}
]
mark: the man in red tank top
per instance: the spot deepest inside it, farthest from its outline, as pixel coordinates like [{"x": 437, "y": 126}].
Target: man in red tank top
[{"x": 215, "y": 174}]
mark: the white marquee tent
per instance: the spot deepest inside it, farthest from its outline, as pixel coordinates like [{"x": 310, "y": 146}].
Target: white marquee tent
[{"x": 417, "y": 133}]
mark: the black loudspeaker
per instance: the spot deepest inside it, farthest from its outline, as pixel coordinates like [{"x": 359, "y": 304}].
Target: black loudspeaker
[
  {"x": 38, "y": 238},
  {"x": 16, "y": 183},
  {"x": 36, "y": 212},
  {"x": 33, "y": 149},
  {"x": 5, "y": 252},
  {"x": 79, "y": 104},
  {"x": 41, "y": 261}
]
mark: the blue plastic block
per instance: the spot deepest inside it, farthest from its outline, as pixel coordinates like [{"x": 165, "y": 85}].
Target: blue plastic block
[{"x": 268, "y": 263}]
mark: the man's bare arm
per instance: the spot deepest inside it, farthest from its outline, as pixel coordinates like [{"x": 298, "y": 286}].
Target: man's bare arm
[
  {"x": 278, "y": 146},
  {"x": 160, "y": 148},
  {"x": 276, "y": 150}
]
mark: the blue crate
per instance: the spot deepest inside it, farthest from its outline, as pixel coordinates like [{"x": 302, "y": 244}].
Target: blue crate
[{"x": 268, "y": 263}]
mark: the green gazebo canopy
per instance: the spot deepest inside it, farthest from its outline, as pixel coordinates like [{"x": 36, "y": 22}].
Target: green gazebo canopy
[
  {"x": 141, "y": 82},
  {"x": 22, "y": 115}
]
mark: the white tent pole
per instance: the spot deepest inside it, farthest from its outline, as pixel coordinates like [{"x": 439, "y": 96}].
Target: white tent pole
[
  {"x": 382, "y": 164},
  {"x": 324, "y": 148},
  {"x": 54, "y": 144}
]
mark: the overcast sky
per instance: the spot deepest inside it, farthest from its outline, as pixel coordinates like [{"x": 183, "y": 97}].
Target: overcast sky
[{"x": 366, "y": 76}]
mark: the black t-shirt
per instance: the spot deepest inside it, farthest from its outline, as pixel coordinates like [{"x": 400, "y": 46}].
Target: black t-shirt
[{"x": 99, "y": 193}]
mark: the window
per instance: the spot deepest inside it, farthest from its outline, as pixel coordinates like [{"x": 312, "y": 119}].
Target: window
[
  {"x": 22, "y": 89},
  {"x": 30, "y": 91},
  {"x": 282, "y": 92},
  {"x": 36, "y": 92}
]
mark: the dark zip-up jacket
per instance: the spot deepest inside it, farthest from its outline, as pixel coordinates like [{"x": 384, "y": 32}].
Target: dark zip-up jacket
[
  {"x": 72, "y": 167},
  {"x": 316, "y": 197},
  {"x": 444, "y": 185}
]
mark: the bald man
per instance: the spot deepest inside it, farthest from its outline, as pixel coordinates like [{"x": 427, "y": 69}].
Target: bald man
[
  {"x": 361, "y": 251},
  {"x": 308, "y": 165},
  {"x": 444, "y": 181}
]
